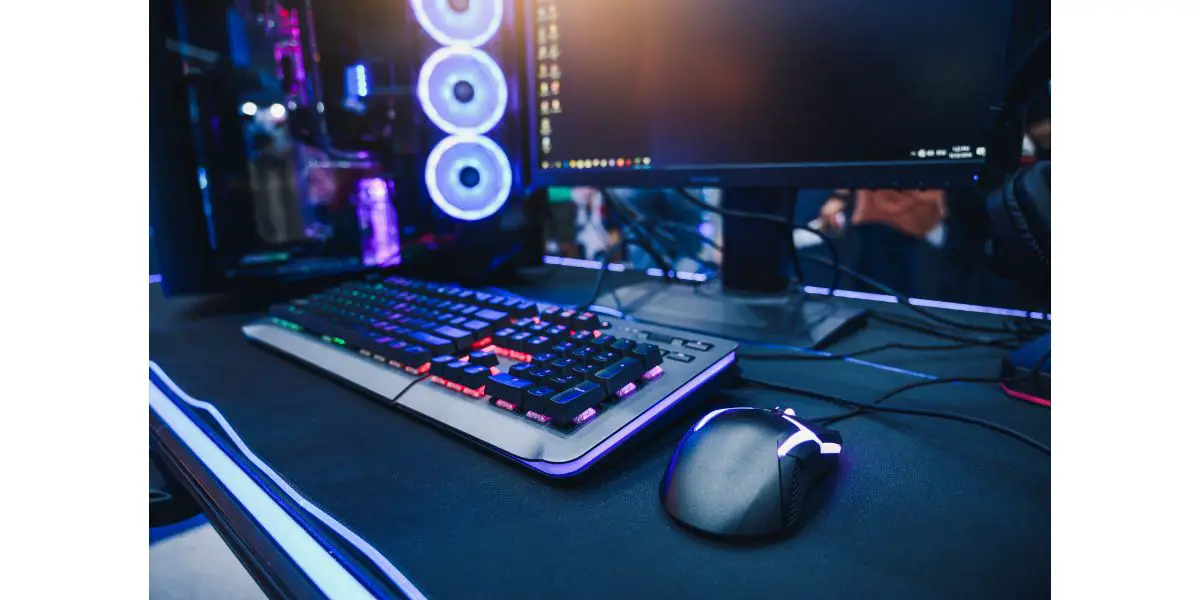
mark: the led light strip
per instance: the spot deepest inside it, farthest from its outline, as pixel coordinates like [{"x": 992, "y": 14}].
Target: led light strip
[
  {"x": 312, "y": 559},
  {"x": 195, "y": 438}
]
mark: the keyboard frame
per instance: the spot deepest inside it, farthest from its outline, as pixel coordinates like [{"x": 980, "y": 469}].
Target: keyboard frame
[{"x": 542, "y": 448}]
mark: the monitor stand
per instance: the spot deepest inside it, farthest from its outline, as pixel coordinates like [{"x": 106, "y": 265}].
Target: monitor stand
[{"x": 756, "y": 299}]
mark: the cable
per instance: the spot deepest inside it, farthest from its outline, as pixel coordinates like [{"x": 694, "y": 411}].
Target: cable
[
  {"x": 595, "y": 295},
  {"x": 929, "y": 329},
  {"x": 920, "y": 384},
  {"x": 619, "y": 210},
  {"x": 791, "y": 223},
  {"x": 410, "y": 386},
  {"x": 903, "y": 299},
  {"x": 902, "y": 411}
]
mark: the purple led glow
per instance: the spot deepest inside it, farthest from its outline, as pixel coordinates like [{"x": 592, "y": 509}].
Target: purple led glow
[
  {"x": 653, "y": 373},
  {"x": 1007, "y": 312},
  {"x": 540, "y": 418},
  {"x": 585, "y": 416},
  {"x": 631, "y": 428},
  {"x": 377, "y": 215},
  {"x": 627, "y": 390}
]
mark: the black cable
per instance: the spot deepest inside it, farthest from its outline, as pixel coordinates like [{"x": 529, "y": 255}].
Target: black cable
[
  {"x": 902, "y": 411},
  {"x": 920, "y": 384},
  {"x": 620, "y": 210},
  {"x": 903, "y": 299},
  {"x": 410, "y": 386},
  {"x": 790, "y": 222},
  {"x": 931, "y": 330},
  {"x": 595, "y": 295}
]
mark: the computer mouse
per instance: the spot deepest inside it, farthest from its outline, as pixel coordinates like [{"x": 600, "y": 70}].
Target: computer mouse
[{"x": 745, "y": 472}]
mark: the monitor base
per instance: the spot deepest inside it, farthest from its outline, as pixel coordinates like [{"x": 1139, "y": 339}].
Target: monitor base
[{"x": 791, "y": 318}]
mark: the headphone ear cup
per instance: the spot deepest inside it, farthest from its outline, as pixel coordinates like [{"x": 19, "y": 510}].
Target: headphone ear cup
[{"x": 1019, "y": 218}]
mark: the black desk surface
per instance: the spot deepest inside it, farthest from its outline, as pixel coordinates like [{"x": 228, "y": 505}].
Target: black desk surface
[{"x": 920, "y": 507}]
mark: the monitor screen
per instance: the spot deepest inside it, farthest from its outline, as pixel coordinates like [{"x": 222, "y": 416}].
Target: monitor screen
[{"x": 764, "y": 92}]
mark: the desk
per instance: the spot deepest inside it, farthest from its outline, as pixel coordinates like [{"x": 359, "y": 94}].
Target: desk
[{"x": 920, "y": 508}]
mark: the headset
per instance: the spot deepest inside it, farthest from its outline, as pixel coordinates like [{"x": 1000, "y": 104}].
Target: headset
[{"x": 1018, "y": 207}]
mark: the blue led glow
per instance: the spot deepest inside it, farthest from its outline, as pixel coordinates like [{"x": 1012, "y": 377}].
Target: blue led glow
[
  {"x": 360, "y": 79},
  {"x": 353, "y": 538},
  {"x": 495, "y": 173},
  {"x": 473, "y": 27},
  {"x": 449, "y": 66}
]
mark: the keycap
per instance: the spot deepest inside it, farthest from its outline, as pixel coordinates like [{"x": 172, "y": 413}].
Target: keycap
[
  {"x": 561, "y": 382},
  {"x": 601, "y": 342},
  {"x": 508, "y": 388},
  {"x": 603, "y": 358},
  {"x": 586, "y": 320},
  {"x": 522, "y": 323},
  {"x": 563, "y": 317},
  {"x": 582, "y": 337},
  {"x": 479, "y": 329},
  {"x": 583, "y": 354},
  {"x": 696, "y": 345},
  {"x": 548, "y": 315},
  {"x": 583, "y": 370},
  {"x": 525, "y": 308},
  {"x": 622, "y": 347},
  {"x": 649, "y": 354},
  {"x": 437, "y": 366},
  {"x": 559, "y": 333},
  {"x": 562, "y": 349},
  {"x": 517, "y": 341},
  {"x": 456, "y": 321},
  {"x": 680, "y": 356},
  {"x": 475, "y": 376},
  {"x": 500, "y": 338},
  {"x": 536, "y": 344},
  {"x": 485, "y": 359},
  {"x": 560, "y": 365},
  {"x": 538, "y": 328},
  {"x": 521, "y": 370},
  {"x": 541, "y": 375},
  {"x": 462, "y": 339},
  {"x": 536, "y": 398},
  {"x": 454, "y": 371},
  {"x": 618, "y": 375},
  {"x": 435, "y": 344},
  {"x": 543, "y": 358},
  {"x": 412, "y": 355},
  {"x": 565, "y": 406},
  {"x": 487, "y": 314}
]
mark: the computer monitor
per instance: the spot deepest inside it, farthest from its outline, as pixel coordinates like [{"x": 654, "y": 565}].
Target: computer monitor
[
  {"x": 668, "y": 93},
  {"x": 760, "y": 97}
]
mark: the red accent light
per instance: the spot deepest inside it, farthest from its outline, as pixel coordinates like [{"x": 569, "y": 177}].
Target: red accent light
[
  {"x": 437, "y": 380},
  {"x": 423, "y": 369},
  {"x": 491, "y": 349},
  {"x": 454, "y": 386},
  {"x": 627, "y": 390},
  {"x": 479, "y": 393},
  {"x": 540, "y": 418},
  {"x": 653, "y": 373},
  {"x": 506, "y": 405},
  {"x": 481, "y": 343},
  {"x": 1023, "y": 396},
  {"x": 597, "y": 332},
  {"x": 495, "y": 370}
]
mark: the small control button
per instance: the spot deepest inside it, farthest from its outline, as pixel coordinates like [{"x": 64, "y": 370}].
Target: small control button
[
  {"x": 695, "y": 345},
  {"x": 679, "y": 356}
]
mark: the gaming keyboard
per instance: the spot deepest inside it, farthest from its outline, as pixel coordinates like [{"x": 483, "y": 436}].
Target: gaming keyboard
[{"x": 550, "y": 387}]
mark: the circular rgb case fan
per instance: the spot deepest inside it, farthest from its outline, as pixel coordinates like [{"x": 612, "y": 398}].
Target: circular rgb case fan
[
  {"x": 451, "y": 22},
  {"x": 462, "y": 90},
  {"x": 468, "y": 177}
]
